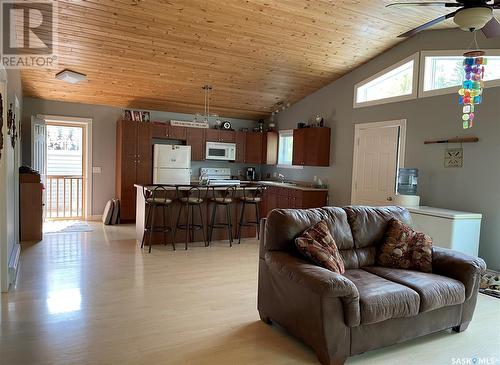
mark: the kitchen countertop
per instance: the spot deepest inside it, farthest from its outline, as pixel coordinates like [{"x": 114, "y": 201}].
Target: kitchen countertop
[
  {"x": 244, "y": 185},
  {"x": 200, "y": 186}
]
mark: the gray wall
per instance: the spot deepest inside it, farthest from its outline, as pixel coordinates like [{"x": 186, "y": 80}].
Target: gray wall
[
  {"x": 104, "y": 138},
  {"x": 475, "y": 187}
]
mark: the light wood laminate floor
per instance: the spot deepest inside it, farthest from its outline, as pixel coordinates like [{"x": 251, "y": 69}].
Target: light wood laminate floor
[{"x": 96, "y": 298}]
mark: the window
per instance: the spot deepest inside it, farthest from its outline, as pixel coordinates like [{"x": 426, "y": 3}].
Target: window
[
  {"x": 285, "y": 148},
  {"x": 395, "y": 83},
  {"x": 442, "y": 71}
]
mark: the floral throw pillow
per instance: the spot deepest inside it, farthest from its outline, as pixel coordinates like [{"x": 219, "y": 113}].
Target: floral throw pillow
[
  {"x": 404, "y": 248},
  {"x": 318, "y": 245}
]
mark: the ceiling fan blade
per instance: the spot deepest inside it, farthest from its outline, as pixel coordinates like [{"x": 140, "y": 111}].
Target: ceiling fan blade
[
  {"x": 433, "y": 3},
  {"x": 426, "y": 25},
  {"x": 492, "y": 28}
]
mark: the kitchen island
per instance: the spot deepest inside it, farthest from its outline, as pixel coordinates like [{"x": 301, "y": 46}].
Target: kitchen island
[{"x": 206, "y": 193}]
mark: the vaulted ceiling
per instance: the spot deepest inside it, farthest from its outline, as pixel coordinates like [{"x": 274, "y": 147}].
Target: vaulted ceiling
[{"x": 156, "y": 54}]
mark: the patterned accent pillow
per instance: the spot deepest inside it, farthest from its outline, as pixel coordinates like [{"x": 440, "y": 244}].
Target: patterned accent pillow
[
  {"x": 318, "y": 245},
  {"x": 404, "y": 248}
]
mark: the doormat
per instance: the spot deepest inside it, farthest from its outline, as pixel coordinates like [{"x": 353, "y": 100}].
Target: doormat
[
  {"x": 53, "y": 227},
  {"x": 490, "y": 284}
]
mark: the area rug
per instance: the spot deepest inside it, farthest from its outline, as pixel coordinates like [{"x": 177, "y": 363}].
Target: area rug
[
  {"x": 490, "y": 284},
  {"x": 66, "y": 227}
]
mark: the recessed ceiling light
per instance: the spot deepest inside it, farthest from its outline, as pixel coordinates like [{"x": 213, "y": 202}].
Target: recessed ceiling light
[{"x": 71, "y": 77}]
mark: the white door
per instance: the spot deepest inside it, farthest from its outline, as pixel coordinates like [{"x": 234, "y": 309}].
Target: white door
[
  {"x": 38, "y": 145},
  {"x": 377, "y": 157}
]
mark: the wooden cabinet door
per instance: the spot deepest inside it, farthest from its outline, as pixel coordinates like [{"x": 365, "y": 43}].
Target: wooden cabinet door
[
  {"x": 175, "y": 132},
  {"x": 272, "y": 199},
  {"x": 212, "y": 135},
  {"x": 299, "y": 145},
  {"x": 317, "y": 141},
  {"x": 144, "y": 171},
  {"x": 129, "y": 156},
  {"x": 227, "y": 136},
  {"x": 159, "y": 130},
  {"x": 196, "y": 139},
  {"x": 270, "y": 148},
  {"x": 241, "y": 138},
  {"x": 253, "y": 151}
]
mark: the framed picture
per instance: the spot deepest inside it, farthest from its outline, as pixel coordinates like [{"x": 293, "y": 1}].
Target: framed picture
[
  {"x": 127, "y": 115},
  {"x": 145, "y": 117},
  {"x": 136, "y": 116}
]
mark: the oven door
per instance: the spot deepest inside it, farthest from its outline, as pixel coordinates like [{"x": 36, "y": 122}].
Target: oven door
[{"x": 220, "y": 151}]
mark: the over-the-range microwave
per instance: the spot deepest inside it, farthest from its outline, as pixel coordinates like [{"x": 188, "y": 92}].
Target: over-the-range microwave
[{"x": 220, "y": 151}]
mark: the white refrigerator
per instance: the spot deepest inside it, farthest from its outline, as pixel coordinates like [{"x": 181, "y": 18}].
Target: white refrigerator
[{"x": 172, "y": 164}]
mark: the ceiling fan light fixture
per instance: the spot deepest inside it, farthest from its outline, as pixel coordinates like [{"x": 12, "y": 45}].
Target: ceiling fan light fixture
[{"x": 473, "y": 18}]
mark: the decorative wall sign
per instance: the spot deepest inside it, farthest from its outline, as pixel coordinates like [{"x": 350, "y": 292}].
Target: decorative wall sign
[
  {"x": 453, "y": 157},
  {"x": 470, "y": 94},
  {"x": 1, "y": 124}
]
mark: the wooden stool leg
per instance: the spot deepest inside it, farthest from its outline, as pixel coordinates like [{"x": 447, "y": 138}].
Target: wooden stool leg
[
  {"x": 153, "y": 208},
  {"x": 148, "y": 212},
  {"x": 241, "y": 221},
  {"x": 188, "y": 225},
  {"x": 202, "y": 225},
  {"x": 178, "y": 219},
  {"x": 171, "y": 226},
  {"x": 257, "y": 216},
  {"x": 229, "y": 228},
  {"x": 164, "y": 227},
  {"x": 212, "y": 222}
]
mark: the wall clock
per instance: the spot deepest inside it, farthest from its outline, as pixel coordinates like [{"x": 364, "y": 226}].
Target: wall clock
[{"x": 226, "y": 125}]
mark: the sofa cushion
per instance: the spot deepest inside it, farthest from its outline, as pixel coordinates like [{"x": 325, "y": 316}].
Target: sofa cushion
[
  {"x": 381, "y": 299},
  {"x": 368, "y": 224},
  {"x": 284, "y": 225},
  {"x": 318, "y": 245},
  {"x": 404, "y": 248},
  {"x": 435, "y": 291}
]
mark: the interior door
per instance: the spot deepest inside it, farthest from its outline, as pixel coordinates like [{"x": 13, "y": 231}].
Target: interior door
[
  {"x": 376, "y": 165},
  {"x": 39, "y": 152}
]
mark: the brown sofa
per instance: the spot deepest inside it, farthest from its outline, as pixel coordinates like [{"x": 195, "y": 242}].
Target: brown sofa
[{"x": 369, "y": 306}]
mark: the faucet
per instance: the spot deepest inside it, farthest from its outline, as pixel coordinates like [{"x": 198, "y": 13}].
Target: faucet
[{"x": 281, "y": 177}]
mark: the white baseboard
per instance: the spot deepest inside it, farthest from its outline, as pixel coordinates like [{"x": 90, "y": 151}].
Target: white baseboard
[{"x": 14, "y": 264}]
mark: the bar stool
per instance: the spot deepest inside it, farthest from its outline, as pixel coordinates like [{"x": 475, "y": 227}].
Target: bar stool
[
  {"x": 157, "y": 198},
  {"x": 191, "y": 199},
  {"x": 253, "y": 198},
  {"x": 222, "y": 198}
]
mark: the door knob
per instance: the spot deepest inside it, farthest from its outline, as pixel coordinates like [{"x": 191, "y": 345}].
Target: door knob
[{"x": 389, "y": 198}]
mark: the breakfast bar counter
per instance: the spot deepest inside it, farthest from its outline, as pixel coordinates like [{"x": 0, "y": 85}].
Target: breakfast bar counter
[{"x": 206, "y": 208}]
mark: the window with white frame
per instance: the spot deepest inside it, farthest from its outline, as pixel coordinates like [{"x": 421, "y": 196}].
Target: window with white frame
[
  {"x": 395, "y": 83},
  {"x": 442, "y": 71},
  {"x": 285, "y": 148}
]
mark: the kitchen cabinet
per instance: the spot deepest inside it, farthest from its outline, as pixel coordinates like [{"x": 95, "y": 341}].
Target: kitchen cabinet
[
  {"x": 163, "y": 130},
  {"x": 221, "y": 135},
  {"x": 195, "y": 138},
  {"x": 241, "y": 139},
  {"x": 292, "y": 198},
  {"x": 261, "y": 148},
  {"x": 133, "y": 163},
  {"x": 311, "y": 146}
]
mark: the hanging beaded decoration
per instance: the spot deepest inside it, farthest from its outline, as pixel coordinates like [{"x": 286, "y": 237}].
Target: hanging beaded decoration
[{"x": 472, "y": 87}]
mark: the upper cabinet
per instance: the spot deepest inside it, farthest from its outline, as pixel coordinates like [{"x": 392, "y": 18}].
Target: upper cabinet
[
  {"x": 261, "y": 148},
  {"x": 196, "y": 139},
  {"x": 166, "y": 131},
  {"x": 311, "y": 147},
  {"x": 221, "y": 135},
  {"x": 241, "y": 142}
]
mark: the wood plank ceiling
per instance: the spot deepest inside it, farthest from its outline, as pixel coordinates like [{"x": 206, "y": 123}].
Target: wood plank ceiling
[{"x": 157, "y": 54}]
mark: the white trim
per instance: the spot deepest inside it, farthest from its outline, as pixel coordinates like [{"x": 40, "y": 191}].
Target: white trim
[
  {"x": 4, "y": 260},
  {"x": 401, "y": 123},
  {"x": 415, "y": 58},
  {"x": 453, "y": 89},
  {"x": 87, "y": 123}
]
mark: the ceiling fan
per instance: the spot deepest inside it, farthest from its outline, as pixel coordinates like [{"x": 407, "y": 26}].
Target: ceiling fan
[{"x": 472, "y": 15}]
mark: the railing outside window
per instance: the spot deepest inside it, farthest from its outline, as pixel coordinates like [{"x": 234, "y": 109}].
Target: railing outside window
[{"x": 64, "y": 197}]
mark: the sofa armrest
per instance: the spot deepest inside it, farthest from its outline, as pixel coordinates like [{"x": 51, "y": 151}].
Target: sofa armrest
[
  {"x": 457, "y": 265},
  {"x": 323, "y": 282}
]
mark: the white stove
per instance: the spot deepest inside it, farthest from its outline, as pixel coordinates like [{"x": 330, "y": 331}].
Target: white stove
[{"x": 217, "y": 176}]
